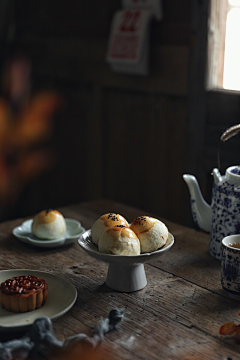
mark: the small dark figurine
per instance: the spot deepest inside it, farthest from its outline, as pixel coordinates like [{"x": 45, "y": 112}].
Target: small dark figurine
[{"x": 39, "y": 343}]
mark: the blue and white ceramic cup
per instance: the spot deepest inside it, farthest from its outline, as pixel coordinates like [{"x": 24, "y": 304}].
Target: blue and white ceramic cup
[{"x": 230, "y": 266}]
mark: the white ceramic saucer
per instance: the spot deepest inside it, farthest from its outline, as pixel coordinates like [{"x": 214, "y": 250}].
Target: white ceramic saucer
[
  {"x": 61, "y": 297},
  {"x": 73, "y": 231},
  {"x": 125, "y": 273}
]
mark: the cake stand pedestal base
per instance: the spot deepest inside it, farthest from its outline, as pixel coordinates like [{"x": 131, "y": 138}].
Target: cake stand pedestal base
[{"x": 126, "y": 278}]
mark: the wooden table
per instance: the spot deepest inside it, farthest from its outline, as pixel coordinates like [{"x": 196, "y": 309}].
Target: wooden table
[{"x": 176, "y": 316}]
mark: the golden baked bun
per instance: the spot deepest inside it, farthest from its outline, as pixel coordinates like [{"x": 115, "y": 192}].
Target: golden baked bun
[
  {"x": 152, "y": 233},
  {"x": 23, "y": 293},
  {"x": 119, "y": 240},
  {"x": 104, "y": 223},
  {"x": 48, "y": 225}
]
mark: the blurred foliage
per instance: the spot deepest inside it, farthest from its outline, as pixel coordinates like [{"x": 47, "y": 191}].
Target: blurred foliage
[{"x": 26, "y": 124}]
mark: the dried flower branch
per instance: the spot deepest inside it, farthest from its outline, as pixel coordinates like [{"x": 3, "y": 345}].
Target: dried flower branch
[
  {"x": 232, "y": 131},
  {"x": 26, "y": 126}
]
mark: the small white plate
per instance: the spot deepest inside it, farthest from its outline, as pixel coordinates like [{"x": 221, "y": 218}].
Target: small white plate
[
  {"x": 61, "y": 297},
  {"x": 73, "y": 231}
]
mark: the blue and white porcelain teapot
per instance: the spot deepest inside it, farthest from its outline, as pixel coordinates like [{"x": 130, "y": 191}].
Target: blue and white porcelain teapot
[{"x": 222, "y": 218}]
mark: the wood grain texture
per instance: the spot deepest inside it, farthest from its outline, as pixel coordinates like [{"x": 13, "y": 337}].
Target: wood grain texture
[
  {"x": 84, "y": 61},
  {"x": 144, "y": 156},
  {"x": 78, "y": 19},
  {"x": 67, "y": 45},
  {"x": 176, "y": 316}
]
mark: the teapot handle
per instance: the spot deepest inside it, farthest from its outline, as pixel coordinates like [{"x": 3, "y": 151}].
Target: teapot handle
[{"x": 230, "y": 132}]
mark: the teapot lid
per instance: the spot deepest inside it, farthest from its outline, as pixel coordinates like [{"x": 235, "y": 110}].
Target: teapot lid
[{"x": 233, "y": 175}]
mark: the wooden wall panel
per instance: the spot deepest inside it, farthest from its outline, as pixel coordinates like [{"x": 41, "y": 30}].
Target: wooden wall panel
[
  {"x": 92, "y": 19},
  {"x": 66, "y": 182},
  {"x": 84, "y": 61},
  {"x": 60, "y": 18},
  {"x": 145, "y": 147},
  {"x": 120, "y": 136}
]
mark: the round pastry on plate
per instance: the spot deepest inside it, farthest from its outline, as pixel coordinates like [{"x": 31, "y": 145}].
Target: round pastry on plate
[
  {"x": 23, "y": 293},
  {"x": 119, "y": 240},
  {"x": 48, "y": 225},
  {"x": 152, "y": 233},
  {"x": 104, "y": 223}
]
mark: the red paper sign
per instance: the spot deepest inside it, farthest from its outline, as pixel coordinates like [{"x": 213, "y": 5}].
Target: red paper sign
[{"x": 128, "y": 31}]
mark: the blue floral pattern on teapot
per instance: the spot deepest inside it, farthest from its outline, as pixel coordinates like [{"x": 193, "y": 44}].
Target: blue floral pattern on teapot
[{"x": 225, "y": 215}]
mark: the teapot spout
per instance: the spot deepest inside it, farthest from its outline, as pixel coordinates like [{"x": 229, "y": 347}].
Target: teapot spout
[{"x": 201, "y": 211}]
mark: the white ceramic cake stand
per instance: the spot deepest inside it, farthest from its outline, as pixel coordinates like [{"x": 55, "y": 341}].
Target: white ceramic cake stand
[{"x": 125, "y": 273}]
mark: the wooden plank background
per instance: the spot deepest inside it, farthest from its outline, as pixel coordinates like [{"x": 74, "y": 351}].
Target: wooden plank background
[{"x": 117, "y": 134}]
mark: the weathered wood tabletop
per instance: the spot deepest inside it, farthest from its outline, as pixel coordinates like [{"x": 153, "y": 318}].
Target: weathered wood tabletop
[{"x": 176, "y": 316}]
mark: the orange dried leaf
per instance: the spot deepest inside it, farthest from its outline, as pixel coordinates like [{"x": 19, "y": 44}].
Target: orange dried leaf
[
  {"x": 34, "y": 122},
  {"x": 33, "y": 164},
  {"x": 4, "y": 178},
  {"x": 238, "y": 333},
  {"x": 41, "y": 107},
  {"x": 228, "y": 328},
  {"x": 5, "y": 119}
]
